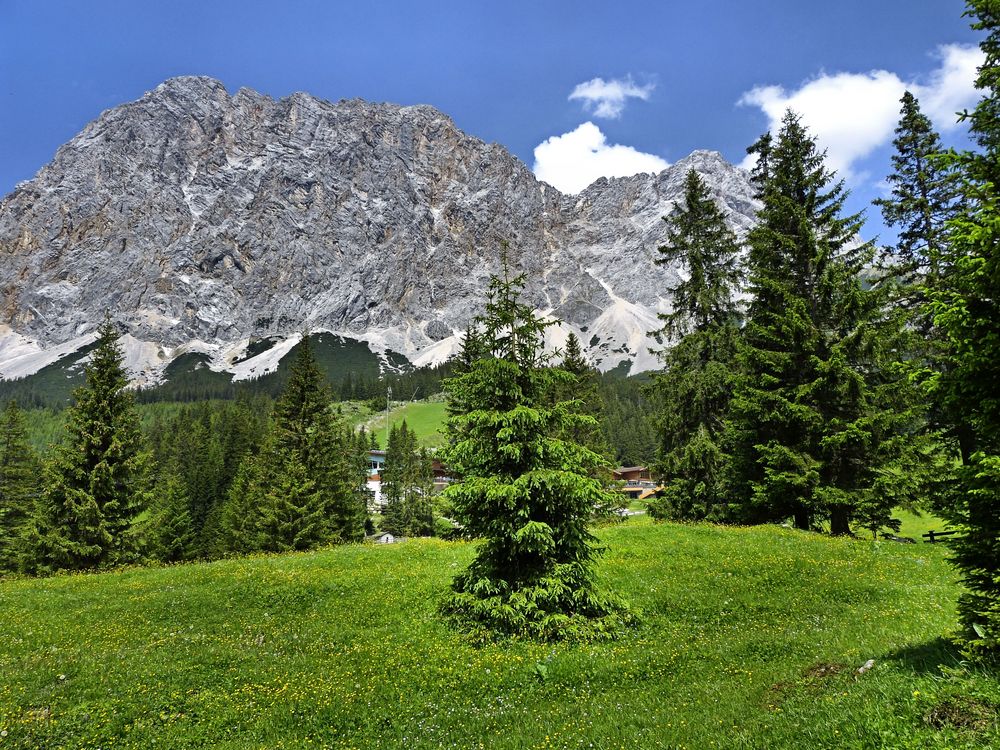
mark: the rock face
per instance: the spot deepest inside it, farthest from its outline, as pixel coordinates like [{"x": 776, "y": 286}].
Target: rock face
[{"x": 202, "y": 220}]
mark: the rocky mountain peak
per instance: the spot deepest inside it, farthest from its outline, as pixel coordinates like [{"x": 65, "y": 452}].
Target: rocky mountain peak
[{"x": 204, "y": 220}]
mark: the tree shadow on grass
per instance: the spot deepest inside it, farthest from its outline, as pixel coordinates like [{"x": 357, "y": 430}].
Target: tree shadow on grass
[{"x": 927, "y": 657}]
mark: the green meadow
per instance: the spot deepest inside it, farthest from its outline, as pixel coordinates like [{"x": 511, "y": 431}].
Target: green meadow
[
  {"x": 749, "y": 638},
  {"x": 426, "y": 418}
]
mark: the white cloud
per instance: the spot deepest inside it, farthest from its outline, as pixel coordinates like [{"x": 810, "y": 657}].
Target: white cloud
[
  {"x": 852, "y": 114},
  {"x": 573, "y": 160},
  {"x": 952, "y": 87},
  {"x": 608, "y": 98}
]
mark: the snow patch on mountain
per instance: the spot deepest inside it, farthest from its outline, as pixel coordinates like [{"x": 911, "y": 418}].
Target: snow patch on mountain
[
  {"x": 21, "y": 356},
  {"x": 265, "y": 362}
]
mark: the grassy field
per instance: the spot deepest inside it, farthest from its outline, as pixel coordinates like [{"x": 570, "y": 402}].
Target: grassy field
[
  {"x": 915, "y": 526},
  {"x": 424, "y": 417},
  {"x": 750, "y": 638}
]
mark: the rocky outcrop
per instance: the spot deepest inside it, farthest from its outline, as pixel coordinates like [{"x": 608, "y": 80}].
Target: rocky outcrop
[{"x": 202, "y": 220}]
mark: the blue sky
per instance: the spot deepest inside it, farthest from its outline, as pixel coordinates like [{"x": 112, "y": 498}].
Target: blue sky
[{"x": 654, "y": 80}]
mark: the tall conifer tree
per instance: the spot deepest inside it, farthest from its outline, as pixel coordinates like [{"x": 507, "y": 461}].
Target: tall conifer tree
[
  {"x": 168, "y": 533},
  {"x": 967, "y": 304},
  {"x": 923, "y": 200},
  {"x": 696, "y": 383},
  {"x": 924, "y": 197},
  {"x": 99, "y": 479},
  {"x": 583, "y": 387},
  {"x": 302, "y": 490},
  {"x": 19, "y": 483},
  {"x": 393, "y": 477},
  {"x": 809, "y": 429}
]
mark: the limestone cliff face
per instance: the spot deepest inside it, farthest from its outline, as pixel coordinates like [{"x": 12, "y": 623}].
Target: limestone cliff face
[{"x": 202, "y": 220}]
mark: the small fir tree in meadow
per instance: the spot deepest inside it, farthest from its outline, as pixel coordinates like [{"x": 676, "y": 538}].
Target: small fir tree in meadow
[
  {"x": 967, "y": 307},
  {"x": 526, "y": 492},
  {"x": 19, "y": 483},
  {"x": 98, "y": 481},
  {"x": 696, "y": 383}
]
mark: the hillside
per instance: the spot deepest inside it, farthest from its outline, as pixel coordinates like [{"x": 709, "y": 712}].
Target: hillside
[
  {"x": 750, "y": 639},
  {"x": 425, "y": 418}
]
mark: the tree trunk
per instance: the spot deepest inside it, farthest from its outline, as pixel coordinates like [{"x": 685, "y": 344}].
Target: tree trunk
[
  {"x": 802, "y": 520},
  {"x": 840, "y": 520}
]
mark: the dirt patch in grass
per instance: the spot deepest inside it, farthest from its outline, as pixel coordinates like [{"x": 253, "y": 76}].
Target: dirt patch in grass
[
  {"x": 812, "y": 679},
  {"x": 962, "y": 712},
  {"x": 822, "y": 671}
]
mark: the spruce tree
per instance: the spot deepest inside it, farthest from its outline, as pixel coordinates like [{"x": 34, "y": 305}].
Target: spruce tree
[
  {"x": 306, "y": 426},
  {"x": 696, "y": 383},
  {"x": 472, "y": 349},
  {"x": 240, "y": 519},
  {"x": 292, "y": 511},
  {"x": 303, "y": 489},
  {"x": 809, "y": 431},
  {"x": 168, "y": 532},
  {"x": 98, "y": 481},
  {"x": 924, "y": 197},
  {"x": 967, "y": 306},
  {"x": 527, "y": 493},
  {"x": 196, "y": 457},
  {"x": 19, "y": 485},
  {"x": 583, "y": 387},
  {"x": 573, "y": 360},
  {"x": 393, "y": 478}
]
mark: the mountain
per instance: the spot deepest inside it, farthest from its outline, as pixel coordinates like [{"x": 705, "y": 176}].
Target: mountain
[{"x": 206, "y": 223}]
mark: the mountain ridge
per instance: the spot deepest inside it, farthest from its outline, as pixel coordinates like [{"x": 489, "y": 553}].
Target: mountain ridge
[{"x": 203, "y": 221}]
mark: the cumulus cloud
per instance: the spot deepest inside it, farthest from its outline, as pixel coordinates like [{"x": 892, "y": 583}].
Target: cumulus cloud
[
  {"x": 573, "y": 160},
  {"x": 608, "y": 98},
  {"x": 852, "y": 114},
  {"x": 951, "y": 87}
]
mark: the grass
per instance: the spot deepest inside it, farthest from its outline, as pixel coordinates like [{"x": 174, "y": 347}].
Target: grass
[
  {"x": 426, "y": 418},
  {"x": 750, "y": 638},
  {"x": 915, "y": 525}
]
